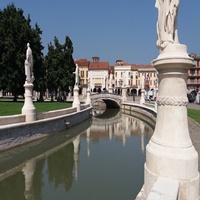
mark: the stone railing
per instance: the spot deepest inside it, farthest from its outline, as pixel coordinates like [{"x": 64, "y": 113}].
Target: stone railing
[
  {"x": 11, "y": 119},
  {"x": 142, "y": 112},
  {"x": 15, "y": 134},
  {"x": 162, "y": 188},
  {"x": 54, "y": 113}
]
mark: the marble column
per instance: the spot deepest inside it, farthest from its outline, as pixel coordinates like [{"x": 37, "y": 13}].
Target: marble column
[
  {"x": 142, "y": 100},
  {"x": 170, "y": 153},
  {"x": 124, "y": 90},
  {"x": 29, "y": 109}
]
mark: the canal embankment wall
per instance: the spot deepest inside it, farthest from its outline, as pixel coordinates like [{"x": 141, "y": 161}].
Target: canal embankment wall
[
  {"x": 16, "y": 131},
  {"x": 146, "y": 113}
]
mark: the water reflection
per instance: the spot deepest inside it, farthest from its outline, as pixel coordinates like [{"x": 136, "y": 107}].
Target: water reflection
[
  {"x": 120, "y": 125},
  {"x": 99, "y": 160}
]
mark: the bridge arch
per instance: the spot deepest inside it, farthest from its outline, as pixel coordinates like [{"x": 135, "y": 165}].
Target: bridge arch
[{"x": 111, "y": 100}]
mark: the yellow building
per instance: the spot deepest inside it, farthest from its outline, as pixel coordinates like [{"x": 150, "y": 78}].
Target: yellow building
[{"x": 83, "y": 65}]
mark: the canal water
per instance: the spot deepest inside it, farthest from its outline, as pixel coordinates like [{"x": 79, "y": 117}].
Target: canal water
[{"x": 101, "y": 158}]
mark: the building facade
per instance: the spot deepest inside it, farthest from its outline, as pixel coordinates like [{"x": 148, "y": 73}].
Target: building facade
[
  {"x": 102, "y": 77},
  {"x": 193, "y": 81},
  {"x": 83, "y": 65},
  {"x": 98, "y": 74}
]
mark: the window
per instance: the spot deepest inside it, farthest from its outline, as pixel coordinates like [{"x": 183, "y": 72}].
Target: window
[
  {"x": 192, "y": 72},
  {"x": 194, "y": 63},
  {"x": 192, "y": 80},
  {"x": 82, "y": 73}
]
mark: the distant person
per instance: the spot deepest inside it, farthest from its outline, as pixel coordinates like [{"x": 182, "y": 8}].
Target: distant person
[{"x": 197, "y": 100}]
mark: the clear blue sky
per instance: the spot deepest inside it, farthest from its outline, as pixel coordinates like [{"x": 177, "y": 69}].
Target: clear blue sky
[{"x": 110, "y": 29}]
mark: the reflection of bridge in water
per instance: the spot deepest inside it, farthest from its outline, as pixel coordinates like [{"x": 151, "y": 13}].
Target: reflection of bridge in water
[{"x": 119, "y": 125}]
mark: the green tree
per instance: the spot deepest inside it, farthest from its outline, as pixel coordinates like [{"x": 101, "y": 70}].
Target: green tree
[
  {"x": 15, "y": 33},
  {"x": 60, "y": 66},
  {"x": 38, "y": 67}
]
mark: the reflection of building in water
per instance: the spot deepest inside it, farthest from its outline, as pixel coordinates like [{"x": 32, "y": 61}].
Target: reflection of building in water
[
  {"x": 88, "y": 142},
  {"x": 142, "y": 129},
  {"x": 121, "y": 127}
]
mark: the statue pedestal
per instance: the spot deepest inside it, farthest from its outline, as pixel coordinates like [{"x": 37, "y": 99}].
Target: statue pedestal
[
  {"x": 142, "y": 100},
  {"x": 28, "y": 108},
  {"x": 88, "y": 100},
  {"x": 124, "y": 98},
  {"x": 170, "y": 153},
  {"x": 110, "y": 90},
  {"x": 76, "y": 102}
]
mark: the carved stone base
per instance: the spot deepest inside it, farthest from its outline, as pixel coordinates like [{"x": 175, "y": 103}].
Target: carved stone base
[{"x": 28, "y": 108}]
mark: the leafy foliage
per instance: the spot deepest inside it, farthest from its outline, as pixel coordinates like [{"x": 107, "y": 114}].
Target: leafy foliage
[
  {"x": 15, "y": 33},
  {"x": 55, "y": 71},
  {"x": 60, "y": 65}
]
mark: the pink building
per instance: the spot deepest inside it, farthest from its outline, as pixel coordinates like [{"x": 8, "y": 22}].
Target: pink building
[{"x": 193, "y": 82}]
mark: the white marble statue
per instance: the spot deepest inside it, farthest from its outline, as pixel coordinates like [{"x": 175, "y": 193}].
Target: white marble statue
[
  {"x": 124, "y": 79},
  {"x": 76, "y": 75},
  {"x": 111, "y": 79},
  {"x": 142, "y": 82},
  {"x": 88, "y": 82},
  {"x": 29, "y": 65},
  {"x": 167, "y": 22}
]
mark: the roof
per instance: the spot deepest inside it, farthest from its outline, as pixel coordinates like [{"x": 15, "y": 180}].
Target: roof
[
  {"x": 111, "y": 69},
  {"x": 82, "y": 62},
  {"x": 135, "y": 67},
  {"x": 98, "y": 66}
]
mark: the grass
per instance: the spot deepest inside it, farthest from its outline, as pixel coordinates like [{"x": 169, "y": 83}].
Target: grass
[
  {"x": 13, "y": 108},
  {"x": 194, "y": 114}
]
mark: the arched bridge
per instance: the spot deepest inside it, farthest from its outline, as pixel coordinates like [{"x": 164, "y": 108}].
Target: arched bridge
[{"x": 111, "y": 100}]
